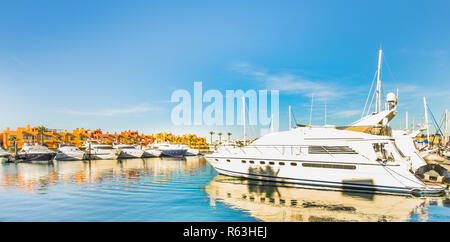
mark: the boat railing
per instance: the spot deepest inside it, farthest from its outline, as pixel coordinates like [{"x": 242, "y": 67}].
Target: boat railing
[
  {"x": 287, "y": 149},
  {"x": 282, "y": 149}
]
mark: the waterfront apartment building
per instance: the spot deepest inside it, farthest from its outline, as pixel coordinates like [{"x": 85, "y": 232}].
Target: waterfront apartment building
[{"x": 52, "y": 138}]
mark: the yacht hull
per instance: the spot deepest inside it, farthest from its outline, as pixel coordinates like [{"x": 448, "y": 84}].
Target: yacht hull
[
  {"x": 70, "y": 156},
  {"x": 130, "y": 154},
  {"x": 342, "y": 176},
  {"x": 174, "y": 152},
  {"x": 103, "y": 156},
  {"x": 4, "y": 159},
  {"x": 192, "y": 152},
  {"x": 151, "y": 153},
  {"x": 30, "y": 157}
]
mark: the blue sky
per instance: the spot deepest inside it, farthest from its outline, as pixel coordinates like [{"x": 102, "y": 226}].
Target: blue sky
[{"x": 114, "y": 64}]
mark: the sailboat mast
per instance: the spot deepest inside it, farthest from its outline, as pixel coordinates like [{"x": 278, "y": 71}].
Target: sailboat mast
[
  {"x": 290, "y": 122},
  {"x": 426, "y": 120},
  {"x": 406, "y": 122},
  {"x": 378, "y": 90},
  {"x": 310, "y": 113},
  {"x": 243, "y": 117}
]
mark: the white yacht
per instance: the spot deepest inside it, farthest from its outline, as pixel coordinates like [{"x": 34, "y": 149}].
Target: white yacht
[
  {"x": 4, "y": 155},
  {"x": 98, "y": 151},
  {"x": 173, "y": 150},
  {"x": 128, "y": 151},
  {"x": 151, "y": 152},
  {"x": 191, "y": 151},
  {"x": 34, "y": 152},
  {"x": 346, "y": 157},
  {"x": 328, "y": 157},
  {"x": 70, "y": 152}
]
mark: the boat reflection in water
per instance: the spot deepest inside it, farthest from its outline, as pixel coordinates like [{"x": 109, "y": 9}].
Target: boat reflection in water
[
  {"x": 271, "y": 202},
  {"x": 89, "y": 174}
]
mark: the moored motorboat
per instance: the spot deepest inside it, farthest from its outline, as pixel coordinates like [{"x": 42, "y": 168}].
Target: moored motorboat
[
  {"x": 326, "y": 157},
  {"x": 173, "y": 150},
  {"x": 98, "y": 151},
  {"x": 35, "y": 153},
  {"x": 70, "y": 152},
  {"x": 191, "y": 151},
  {"x": 151, "y": 152},
  {"x": 128, "y": 151}
]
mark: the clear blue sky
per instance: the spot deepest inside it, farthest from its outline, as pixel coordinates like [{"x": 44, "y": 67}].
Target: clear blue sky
[{"x": 114, "y": 64}]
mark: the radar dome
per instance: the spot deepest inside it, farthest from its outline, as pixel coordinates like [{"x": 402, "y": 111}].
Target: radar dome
[{"x": 390, "y": 97}]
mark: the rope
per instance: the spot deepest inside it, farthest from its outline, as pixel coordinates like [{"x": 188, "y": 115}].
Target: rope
[
  {"x": 368, "y": 95},
  {"x": 387, "y": 169},
  {"x": 435, "y": 122}
]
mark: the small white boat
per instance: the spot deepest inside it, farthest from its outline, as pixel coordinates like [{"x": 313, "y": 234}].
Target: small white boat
[
  {"x": 128, "y": 151},
  {"x": 70, "y": 152},
  {"x": 97, "y": 151},
  {"x": 4, "y": 155}
]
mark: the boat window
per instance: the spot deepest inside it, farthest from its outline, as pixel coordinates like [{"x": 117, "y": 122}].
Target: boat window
[
  {"x": 243, "y": 161},
  {"x": 398, "y": 150},
  {"x": 271, "y": 163},
  {"x": 262, "y": 162},
  {"x": 281, "y": 163},
  {"x": 330, "y": 150},
  {"x": 251, "y": 162},
  {"x": 293, "y": 164},
  {"x": 228, "y": 160},
  {"x": 332, "y": 166},
  {"x": 104, "y": 148}
]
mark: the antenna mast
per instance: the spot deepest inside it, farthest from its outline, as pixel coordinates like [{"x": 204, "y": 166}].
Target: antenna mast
[{"x": 378, "y": 90}]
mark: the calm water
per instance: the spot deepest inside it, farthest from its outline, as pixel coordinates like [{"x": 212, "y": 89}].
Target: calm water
[{"x": 188, "y": 189}]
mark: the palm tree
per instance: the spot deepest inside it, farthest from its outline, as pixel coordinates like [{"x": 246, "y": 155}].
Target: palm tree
[
  {"x": 211, "y": 133},
  {"x": 220, "y": 137},
  {"x": 41, "y": 130},
  {"x": 126, "y": 140},
  {"x": 190, "y": 138},
  {"x": 229, "y": 135},
  {"x": 14, "y": 139}
]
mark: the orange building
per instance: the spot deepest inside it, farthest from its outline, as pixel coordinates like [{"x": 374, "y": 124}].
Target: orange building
[
  {"x": 52, "y": 137},
  {"x": 49, "y": 137}
]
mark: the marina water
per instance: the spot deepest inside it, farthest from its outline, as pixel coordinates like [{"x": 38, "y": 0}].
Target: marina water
[{"x": 184, "y": 189}]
